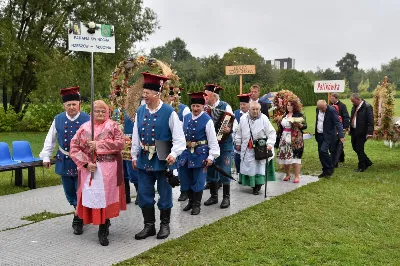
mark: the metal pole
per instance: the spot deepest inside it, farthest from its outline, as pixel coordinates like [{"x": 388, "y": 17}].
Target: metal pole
[
  {"x": 266, "y": 180},
  {"x": 92, "y": 101}
]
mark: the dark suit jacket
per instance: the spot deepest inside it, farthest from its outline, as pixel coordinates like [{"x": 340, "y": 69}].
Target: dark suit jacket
[
  {"x": 364, "y": 122},
  {"x": 344, "y": 114},
  {"x": 264, "y": 108},
  {"x": 332, "y": 128}
]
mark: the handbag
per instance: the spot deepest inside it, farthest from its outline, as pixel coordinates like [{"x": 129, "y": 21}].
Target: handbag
[{"x": 260, "y": 147}]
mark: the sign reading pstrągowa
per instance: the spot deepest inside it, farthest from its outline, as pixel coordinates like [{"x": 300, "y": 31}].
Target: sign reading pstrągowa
[
  {"x": 98, "y": 38},
  {"x": 324, "y": 86},
  {"x": 240, "y": 70}
]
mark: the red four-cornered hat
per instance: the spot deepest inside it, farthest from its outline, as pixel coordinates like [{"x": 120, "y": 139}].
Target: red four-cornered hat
[
  {"x": 153, "y": 82},
  {"x": 244, "y": 98},
  {"x": 197, "y": 97},
  {"x": 213, "y": 88},
  {"x": 70, "y": 94}
]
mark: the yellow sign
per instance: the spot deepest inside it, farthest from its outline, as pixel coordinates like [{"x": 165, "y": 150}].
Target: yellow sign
[{"x": 240, "y": 70}]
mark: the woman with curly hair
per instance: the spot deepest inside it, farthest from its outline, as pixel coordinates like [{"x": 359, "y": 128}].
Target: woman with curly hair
[{"x": 290, "y": 138}]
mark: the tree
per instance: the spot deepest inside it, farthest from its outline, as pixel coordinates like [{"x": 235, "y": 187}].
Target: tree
[
  {"x": 172, "y": 52},
  {"x": 363, "y": 86},
  {"x": 392, "y": 70},
  {"x": 348, "y": 66},
  {"x": 35, "y": 34}
]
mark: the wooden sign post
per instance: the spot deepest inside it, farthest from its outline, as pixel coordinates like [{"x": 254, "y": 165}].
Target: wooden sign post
[{"x": 240, "y": 70}]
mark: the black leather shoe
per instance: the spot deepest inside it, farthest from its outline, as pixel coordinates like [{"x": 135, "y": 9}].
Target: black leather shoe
[
  {"x": 102, "y": 234},
  {"x": 226, "y": 196},
  {"x": 190, "y": 203},
  {"x": 149, "y": 227},
  {"x": 255, "y": 191},
  {"x": 77, "y": 224},
  {"x": 165, "y": 216},
  {"x": 183, "y": 196},
  {"x": 196, "y": 202},
  {"x": 214, "y": 194}
]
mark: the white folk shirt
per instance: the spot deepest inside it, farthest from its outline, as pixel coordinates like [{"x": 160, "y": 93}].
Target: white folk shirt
[
  {"x": 211, "y": 138},
  {"x": 175, "y": 125},
  {"x": 51, "y": 140},
  {"x": 260, "y": 128},
  {"x": 355, "y": 118},
  {"x": 320, "y": 122}
]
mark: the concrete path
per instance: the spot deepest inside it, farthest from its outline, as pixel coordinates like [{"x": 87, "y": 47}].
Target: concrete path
[{"x": 51, "y": 242}]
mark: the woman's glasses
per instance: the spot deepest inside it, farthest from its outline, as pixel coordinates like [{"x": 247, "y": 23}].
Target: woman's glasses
[{"x": 100, "y": 111}]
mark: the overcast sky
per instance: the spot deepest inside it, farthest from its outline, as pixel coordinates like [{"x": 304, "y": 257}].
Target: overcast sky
[{"x": 316, "y": 33}]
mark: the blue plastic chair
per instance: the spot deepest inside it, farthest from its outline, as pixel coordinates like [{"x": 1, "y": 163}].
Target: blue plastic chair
[
  {"x": 22, "y": 151},
  {"x": 5, "y": 156}
]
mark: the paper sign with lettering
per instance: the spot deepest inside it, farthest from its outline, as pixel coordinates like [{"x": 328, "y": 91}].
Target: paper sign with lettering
[
  {"x": 240, "y": 70},
  {"x": 91, "y": 37},
  {"x": 324, "y": 86}
]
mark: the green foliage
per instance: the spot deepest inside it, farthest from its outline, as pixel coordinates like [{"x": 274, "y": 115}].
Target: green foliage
[
  {"x": 366, "y": 94},
  {"x": 8, "y": 120},
  {"x": 363, "y": 86},
  {"x": 348, "y": 66},
  {"x": 40, "y": 116},
  {"x": 42, "y": 216}
]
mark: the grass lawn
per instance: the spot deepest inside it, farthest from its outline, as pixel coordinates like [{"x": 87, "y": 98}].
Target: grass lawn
[{"x": 350, "y": 219}]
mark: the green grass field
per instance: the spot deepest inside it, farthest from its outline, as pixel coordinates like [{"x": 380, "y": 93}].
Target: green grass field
[{"x": 350, "y": 219}]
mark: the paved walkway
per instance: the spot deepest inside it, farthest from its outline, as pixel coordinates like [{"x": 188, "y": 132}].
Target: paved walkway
[{"x": 51, "y": 242}]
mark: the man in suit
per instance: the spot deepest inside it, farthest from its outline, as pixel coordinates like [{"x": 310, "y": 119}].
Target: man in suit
[
  {"x": 255, "y": 91},
  {"x": 345, "y": 117},
  {"x": 327, "y": 129},
  {"x": 361, "y": 128}
]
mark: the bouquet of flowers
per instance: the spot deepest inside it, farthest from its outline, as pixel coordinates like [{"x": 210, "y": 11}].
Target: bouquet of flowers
[{"x": 296, "y": 120}]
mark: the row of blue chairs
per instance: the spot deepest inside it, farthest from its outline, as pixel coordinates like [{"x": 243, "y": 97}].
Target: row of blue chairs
[{"x": 22, "y": 153}]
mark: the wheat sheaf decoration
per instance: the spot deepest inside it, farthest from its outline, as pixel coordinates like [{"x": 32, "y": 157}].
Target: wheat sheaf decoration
[{"x": 126, "y": 93}]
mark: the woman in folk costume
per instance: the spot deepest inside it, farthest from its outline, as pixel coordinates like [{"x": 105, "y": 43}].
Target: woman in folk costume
[
  {"x": 103, "y": 196},
  {"x": 253, "y": 126},
  {"x": 290, "y": 138}
]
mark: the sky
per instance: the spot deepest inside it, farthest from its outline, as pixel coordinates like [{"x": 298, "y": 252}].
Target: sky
[{"x": 316, "y": 33}]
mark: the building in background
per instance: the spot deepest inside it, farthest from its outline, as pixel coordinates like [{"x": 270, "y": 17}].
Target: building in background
[{"x": 284, "y": 63}]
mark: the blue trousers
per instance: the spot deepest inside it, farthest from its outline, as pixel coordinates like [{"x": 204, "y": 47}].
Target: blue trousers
[
  {"x": 326, "y": 152},
  {"x": 224, "y": 161},
  {"x": 192, "y": 178},
  {"x": 146, "y": 190},
  {"x": 70, "y": 185},
  {"x": 237, "y": 162},
  {"x": 130, "y": 173}
]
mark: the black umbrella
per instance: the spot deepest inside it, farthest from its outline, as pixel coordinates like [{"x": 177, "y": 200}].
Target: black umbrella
[{"x": 339, "y": 150}]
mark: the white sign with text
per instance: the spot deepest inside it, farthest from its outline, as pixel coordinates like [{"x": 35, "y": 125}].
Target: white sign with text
[
  {"x": 324, "y": 86},
  {"x": 98, "y": 38}
]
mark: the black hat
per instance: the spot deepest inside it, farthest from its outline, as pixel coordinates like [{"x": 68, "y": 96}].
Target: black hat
[
  {"x": 153, "y": 82},
  {"x": 213, "y": 88},
  {"x": 244, "y": 98},
  {"x": 197, "y": 98},
  {"x": 70, "y": 94}
]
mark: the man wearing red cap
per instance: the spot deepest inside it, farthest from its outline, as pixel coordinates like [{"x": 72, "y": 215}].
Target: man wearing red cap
[
  {"x": 201, "y": 150},
  {"x": 61, "y": 131},
  {"x": 226, "y": 147},
  {"x": 155, "y": 121},
  {"x": 183, "y": 110}
]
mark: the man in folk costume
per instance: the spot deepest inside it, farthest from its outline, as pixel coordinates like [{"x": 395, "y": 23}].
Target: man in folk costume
[
  {"x": 183, "y": 110},
  {"x": 255, "y": 92},
  {"x": 61, "y": 131},
  {"x": 201, "y": 150},
  {"x": 130, "y": 174},
  {"x": 155, "y": 121},
  {"x": 226, "y": 147},
  {"x": 252, "y": 127},
  {"x": 244, "y": 108}
]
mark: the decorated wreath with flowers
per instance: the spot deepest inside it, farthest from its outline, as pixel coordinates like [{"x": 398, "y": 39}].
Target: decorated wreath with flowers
[
  {"x": 280, "y": 101},
  {"x": 122, "y": 91},
  {"x": 384, "y": 97}
]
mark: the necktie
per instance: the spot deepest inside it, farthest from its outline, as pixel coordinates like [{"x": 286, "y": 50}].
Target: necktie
[{"x": 354, "y": 117}]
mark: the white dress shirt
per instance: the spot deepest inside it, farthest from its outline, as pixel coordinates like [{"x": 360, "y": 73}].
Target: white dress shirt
[
  {"x": 320, "y": 122},
  {"x": 51, "y": 140},
  {"x": 175, "y": 125},
  {"x": 355, "y": 118},
  {"x": 211, "y": 138},
  {"x": 186, "y": 111}
]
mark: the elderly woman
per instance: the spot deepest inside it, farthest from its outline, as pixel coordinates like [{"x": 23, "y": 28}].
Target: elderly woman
[
  {"x": 101, "y": 192},
  {"x": 290, "y": 139},
  {"x": 252, "y": 127}
]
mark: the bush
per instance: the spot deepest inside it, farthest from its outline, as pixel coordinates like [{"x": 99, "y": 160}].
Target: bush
[
  {"x": 40, "y": 116},
  {"x": 366, "y": 95},
  {"x": 9, "y": 120}
]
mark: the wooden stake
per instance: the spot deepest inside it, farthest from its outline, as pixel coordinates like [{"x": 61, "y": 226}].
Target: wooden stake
[
  {"x": 241, "y": 81},
  {"x": 329, "y": 98}
]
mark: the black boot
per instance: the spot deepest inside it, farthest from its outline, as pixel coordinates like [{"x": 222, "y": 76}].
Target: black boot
[
  {"x": 77, "y": 224},
  {"x": 214, "y": 194},
  {"x": 149, "y": 227},
  {"x": 226, "y": 196},
  {"x": 196, "y": 202},
  {"x": 207, "y": 186},
  {"x": 190, "y": 203},
  {"x": 108, "y": 224},
  {"x": 165, "y": 216},
  {"x": 137, "y": 195},
  {"x": 183, "y": 196},
  {"x": 102, "y": 234},
  {"x": 127, "y": 191},
  {"x": 255, "y": 190}
]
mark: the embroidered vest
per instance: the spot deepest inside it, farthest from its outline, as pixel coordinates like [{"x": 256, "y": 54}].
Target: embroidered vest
[
  {"x": 66, "y": 130},
  {"x": 128, "y": 125},
  {"x": 152, "y": 127},
  {"x": 180, "y": 111}
]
